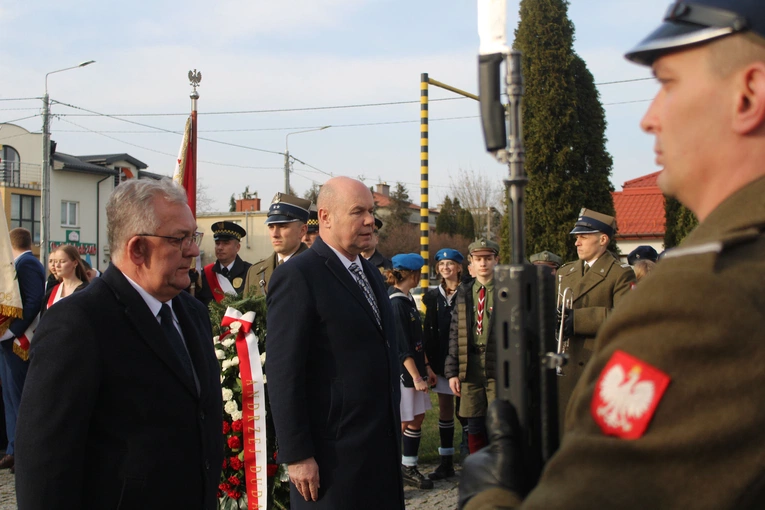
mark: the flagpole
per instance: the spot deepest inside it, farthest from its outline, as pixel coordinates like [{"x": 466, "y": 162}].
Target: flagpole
[{"x": 195, "y": 78}]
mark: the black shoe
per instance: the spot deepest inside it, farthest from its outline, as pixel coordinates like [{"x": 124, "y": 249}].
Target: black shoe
[
  {"x": 6, "y": 462},
  {"x": 413, "y": 478},
  {"x": 444, "y": 470}
]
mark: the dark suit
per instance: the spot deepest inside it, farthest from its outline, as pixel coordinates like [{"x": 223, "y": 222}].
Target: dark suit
[
  {"x": 236, "y": 275},
  {"x": 13, "y": 370},
  {"x": 333, "y": 381},
  {"x": 109, "y": 419}
]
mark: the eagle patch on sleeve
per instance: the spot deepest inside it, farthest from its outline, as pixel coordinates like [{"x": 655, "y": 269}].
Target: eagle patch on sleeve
[{"x": 626, "y": 396}]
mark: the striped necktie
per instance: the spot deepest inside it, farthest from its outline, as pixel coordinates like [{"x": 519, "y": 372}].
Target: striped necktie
[
  {"x": 361, "y": 280},
  {"x": 479, "y": 311}
]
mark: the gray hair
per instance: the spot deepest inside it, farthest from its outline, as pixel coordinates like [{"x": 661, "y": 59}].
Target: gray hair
[{"x": 130, "y": 209}]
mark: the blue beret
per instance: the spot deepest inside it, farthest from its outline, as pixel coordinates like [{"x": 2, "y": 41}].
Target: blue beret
[
  {"x": 643, "y": 252},
  {"x": 410, "y": 261},
  {"x": 449, "y": 254}
]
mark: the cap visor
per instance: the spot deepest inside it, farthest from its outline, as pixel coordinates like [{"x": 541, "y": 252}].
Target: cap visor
[
  {"x": 670, "y": 36},
  {"x": 279, "y": 218},
  {"x": 583, "y": 230}
]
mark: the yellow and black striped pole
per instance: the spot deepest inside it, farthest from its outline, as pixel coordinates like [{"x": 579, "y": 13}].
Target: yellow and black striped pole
[{"x": 424, "y": 213}]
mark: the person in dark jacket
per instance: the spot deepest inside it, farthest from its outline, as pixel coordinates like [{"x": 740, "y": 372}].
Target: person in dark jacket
[
  {"x": 439, "y": 303},
  {"x": 416, "y": 374},
  {"x": 469, "y": 365},
  {"x": 374, "y": 257}
]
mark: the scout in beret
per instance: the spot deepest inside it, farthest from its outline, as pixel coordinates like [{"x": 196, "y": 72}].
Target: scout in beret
[
  {"x": 643, "y": 252},
  {"x": 312, "y": 226},
  {"x": 226, "y": 275},
  {"x": 439, "y": 303},
  {"x": 286, "y": 220},
  {"x": 416, "y": 374},
  {"x": 376, "y": 258}
]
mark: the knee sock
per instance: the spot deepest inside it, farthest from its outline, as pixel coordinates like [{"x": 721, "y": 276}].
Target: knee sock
[
  {"x": 446, "y": 432},
  {"x": 411, "y": 444},
  {"x": 476, "y": 434}
]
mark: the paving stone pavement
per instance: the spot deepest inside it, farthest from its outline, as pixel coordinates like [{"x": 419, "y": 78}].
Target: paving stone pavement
[
  {"x": 443, "y": 496},
  {"x": 7, "y": 490}
]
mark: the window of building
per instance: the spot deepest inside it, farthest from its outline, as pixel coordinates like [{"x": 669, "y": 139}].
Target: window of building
[
  {"x": 25, "y": 213},
  {"x": 69, "y": 213},
  {"x": 10, "y": 165}
]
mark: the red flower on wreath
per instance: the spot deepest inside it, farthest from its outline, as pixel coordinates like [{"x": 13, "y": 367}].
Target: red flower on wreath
[
  {"x": 226, "y": 427},
  {"x": 234, "y": 442},
  {"x": 271, "y": 470},
  {"x": 235, "y": 463},
  {"x": 224, "y": 487},
  {"x": 234, "y": 481},
  {"x": 235, "y": 495},
  {"x": 237, "y": 426},
  {"x": 224, "y": 463}
]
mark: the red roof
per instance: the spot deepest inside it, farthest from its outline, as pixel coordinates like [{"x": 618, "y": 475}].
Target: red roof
[
  {"x": 640, "y": 209},
  {"x": 384, "y": 201}
]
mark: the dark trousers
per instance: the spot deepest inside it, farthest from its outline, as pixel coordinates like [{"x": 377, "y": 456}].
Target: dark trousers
[{"x": 13, "y": 372}]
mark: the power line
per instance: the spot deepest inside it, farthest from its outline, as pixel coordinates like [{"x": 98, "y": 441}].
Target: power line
[
  {"x": 624, "y": 81},
  {"x": 168, "y": 130},
  {"x": 22, "y": 118},
  {"x": 274, "y": 110},
  {"x": 20, "y": 98}
]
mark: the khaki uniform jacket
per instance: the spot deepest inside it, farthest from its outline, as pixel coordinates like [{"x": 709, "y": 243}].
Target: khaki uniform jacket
[
  {"x": 259, "y": 274},
  {"x": 699, "y": 317},
  {"x": 595, "y": 295}
]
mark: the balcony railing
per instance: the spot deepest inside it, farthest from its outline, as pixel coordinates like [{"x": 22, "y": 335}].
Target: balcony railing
[{"x": 20, "y": 175}]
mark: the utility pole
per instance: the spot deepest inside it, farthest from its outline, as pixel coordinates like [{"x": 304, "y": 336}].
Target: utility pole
[{"x": 45, "y": 190}]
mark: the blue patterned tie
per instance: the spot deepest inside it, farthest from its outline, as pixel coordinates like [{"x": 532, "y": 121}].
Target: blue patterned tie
[{"x": 366, "y": 289}]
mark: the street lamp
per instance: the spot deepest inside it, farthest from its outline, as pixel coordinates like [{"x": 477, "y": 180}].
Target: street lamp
[
  {"x": 287, "y": 155},
  {"x": 45, "y": 220}
]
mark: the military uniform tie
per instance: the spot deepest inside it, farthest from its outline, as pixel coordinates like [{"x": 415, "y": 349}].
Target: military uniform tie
[
  {"x": 224, "y": 271},
  {"x": 176, "y": 341},
  {"x": 586, "y": 268},
  {"x": 479, "y": 310},
  {"x": 366, "y": 289}
]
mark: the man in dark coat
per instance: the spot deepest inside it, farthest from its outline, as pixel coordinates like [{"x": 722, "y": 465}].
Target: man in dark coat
[
  {"x": 122, "y": 404},
  {"x": 332, "y": 364},
  {"x": 226, "y": 275},
  {"x": 13, "y": 358}
]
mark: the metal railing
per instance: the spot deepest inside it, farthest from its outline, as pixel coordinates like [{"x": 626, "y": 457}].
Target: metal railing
[{"x": 20, "y": 175}]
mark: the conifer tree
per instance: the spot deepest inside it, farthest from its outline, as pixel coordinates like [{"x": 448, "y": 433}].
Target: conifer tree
[
  {"x": 679, "y": 222},
  {"x": 564, "y": 130}
]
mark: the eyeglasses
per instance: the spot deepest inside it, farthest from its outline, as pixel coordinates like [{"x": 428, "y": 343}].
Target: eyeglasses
[{"x": 184, "y": 243}]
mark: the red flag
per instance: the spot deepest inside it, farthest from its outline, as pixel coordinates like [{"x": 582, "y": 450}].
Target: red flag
[{"x": 185, "y": 173}]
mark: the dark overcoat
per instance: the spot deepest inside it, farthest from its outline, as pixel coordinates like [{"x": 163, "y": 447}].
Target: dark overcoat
[
  {"x": 333, "y": 381},
  {"x": 108, "y": 418}
]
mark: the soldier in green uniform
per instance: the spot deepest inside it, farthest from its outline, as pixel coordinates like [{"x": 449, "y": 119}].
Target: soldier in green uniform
[
  {"x": 547, "y": 258},
  {"x": 669, "y": 412},
  {"x": 287, "y": 218},
  {"x": 469, "y": 364},
  {"x": 598, "y": 282}
]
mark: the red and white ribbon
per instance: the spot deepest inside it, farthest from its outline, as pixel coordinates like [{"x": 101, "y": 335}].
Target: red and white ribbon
[{"x": 253, "y": 406}]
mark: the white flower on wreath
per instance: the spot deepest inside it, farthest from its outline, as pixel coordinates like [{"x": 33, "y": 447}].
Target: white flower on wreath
[
  {"x": 235, "y": 326},
  {"x": 234, "y": 361},
  {"x": 226, "y": 364},
  {"x": 231, "y": 407},
  {"x": 236, "y": 415},
  {"x": 216, "y": 339},
  {"x": 264, "y": 379},
  {"x": 263, "y": 359},
  {"x": 227, "y": 394},
  {"x": 228, "y": 342},
  {"x": 219, "y": 354}
]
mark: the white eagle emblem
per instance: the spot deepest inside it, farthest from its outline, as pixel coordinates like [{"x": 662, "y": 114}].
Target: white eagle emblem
[{"x": 624, "y": 397}]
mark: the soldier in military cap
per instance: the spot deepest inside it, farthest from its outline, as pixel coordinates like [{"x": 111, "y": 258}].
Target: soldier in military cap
[
  {"x": 286, "y": 220},
  {"x": 226, "y": 275},
  {"x": 643, "y": 252},
  {"x": 376, "y": 258},
  {"x": 547, "y": 258},
  {"x": 312, "y": 226},
  {"x": 669, "y": 412},
  {"x": 598, "y": 282},
  {"x": 469, "y": 364}
]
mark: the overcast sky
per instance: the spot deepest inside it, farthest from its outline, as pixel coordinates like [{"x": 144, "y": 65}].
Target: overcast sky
[{"x": 298, "y": 55}]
